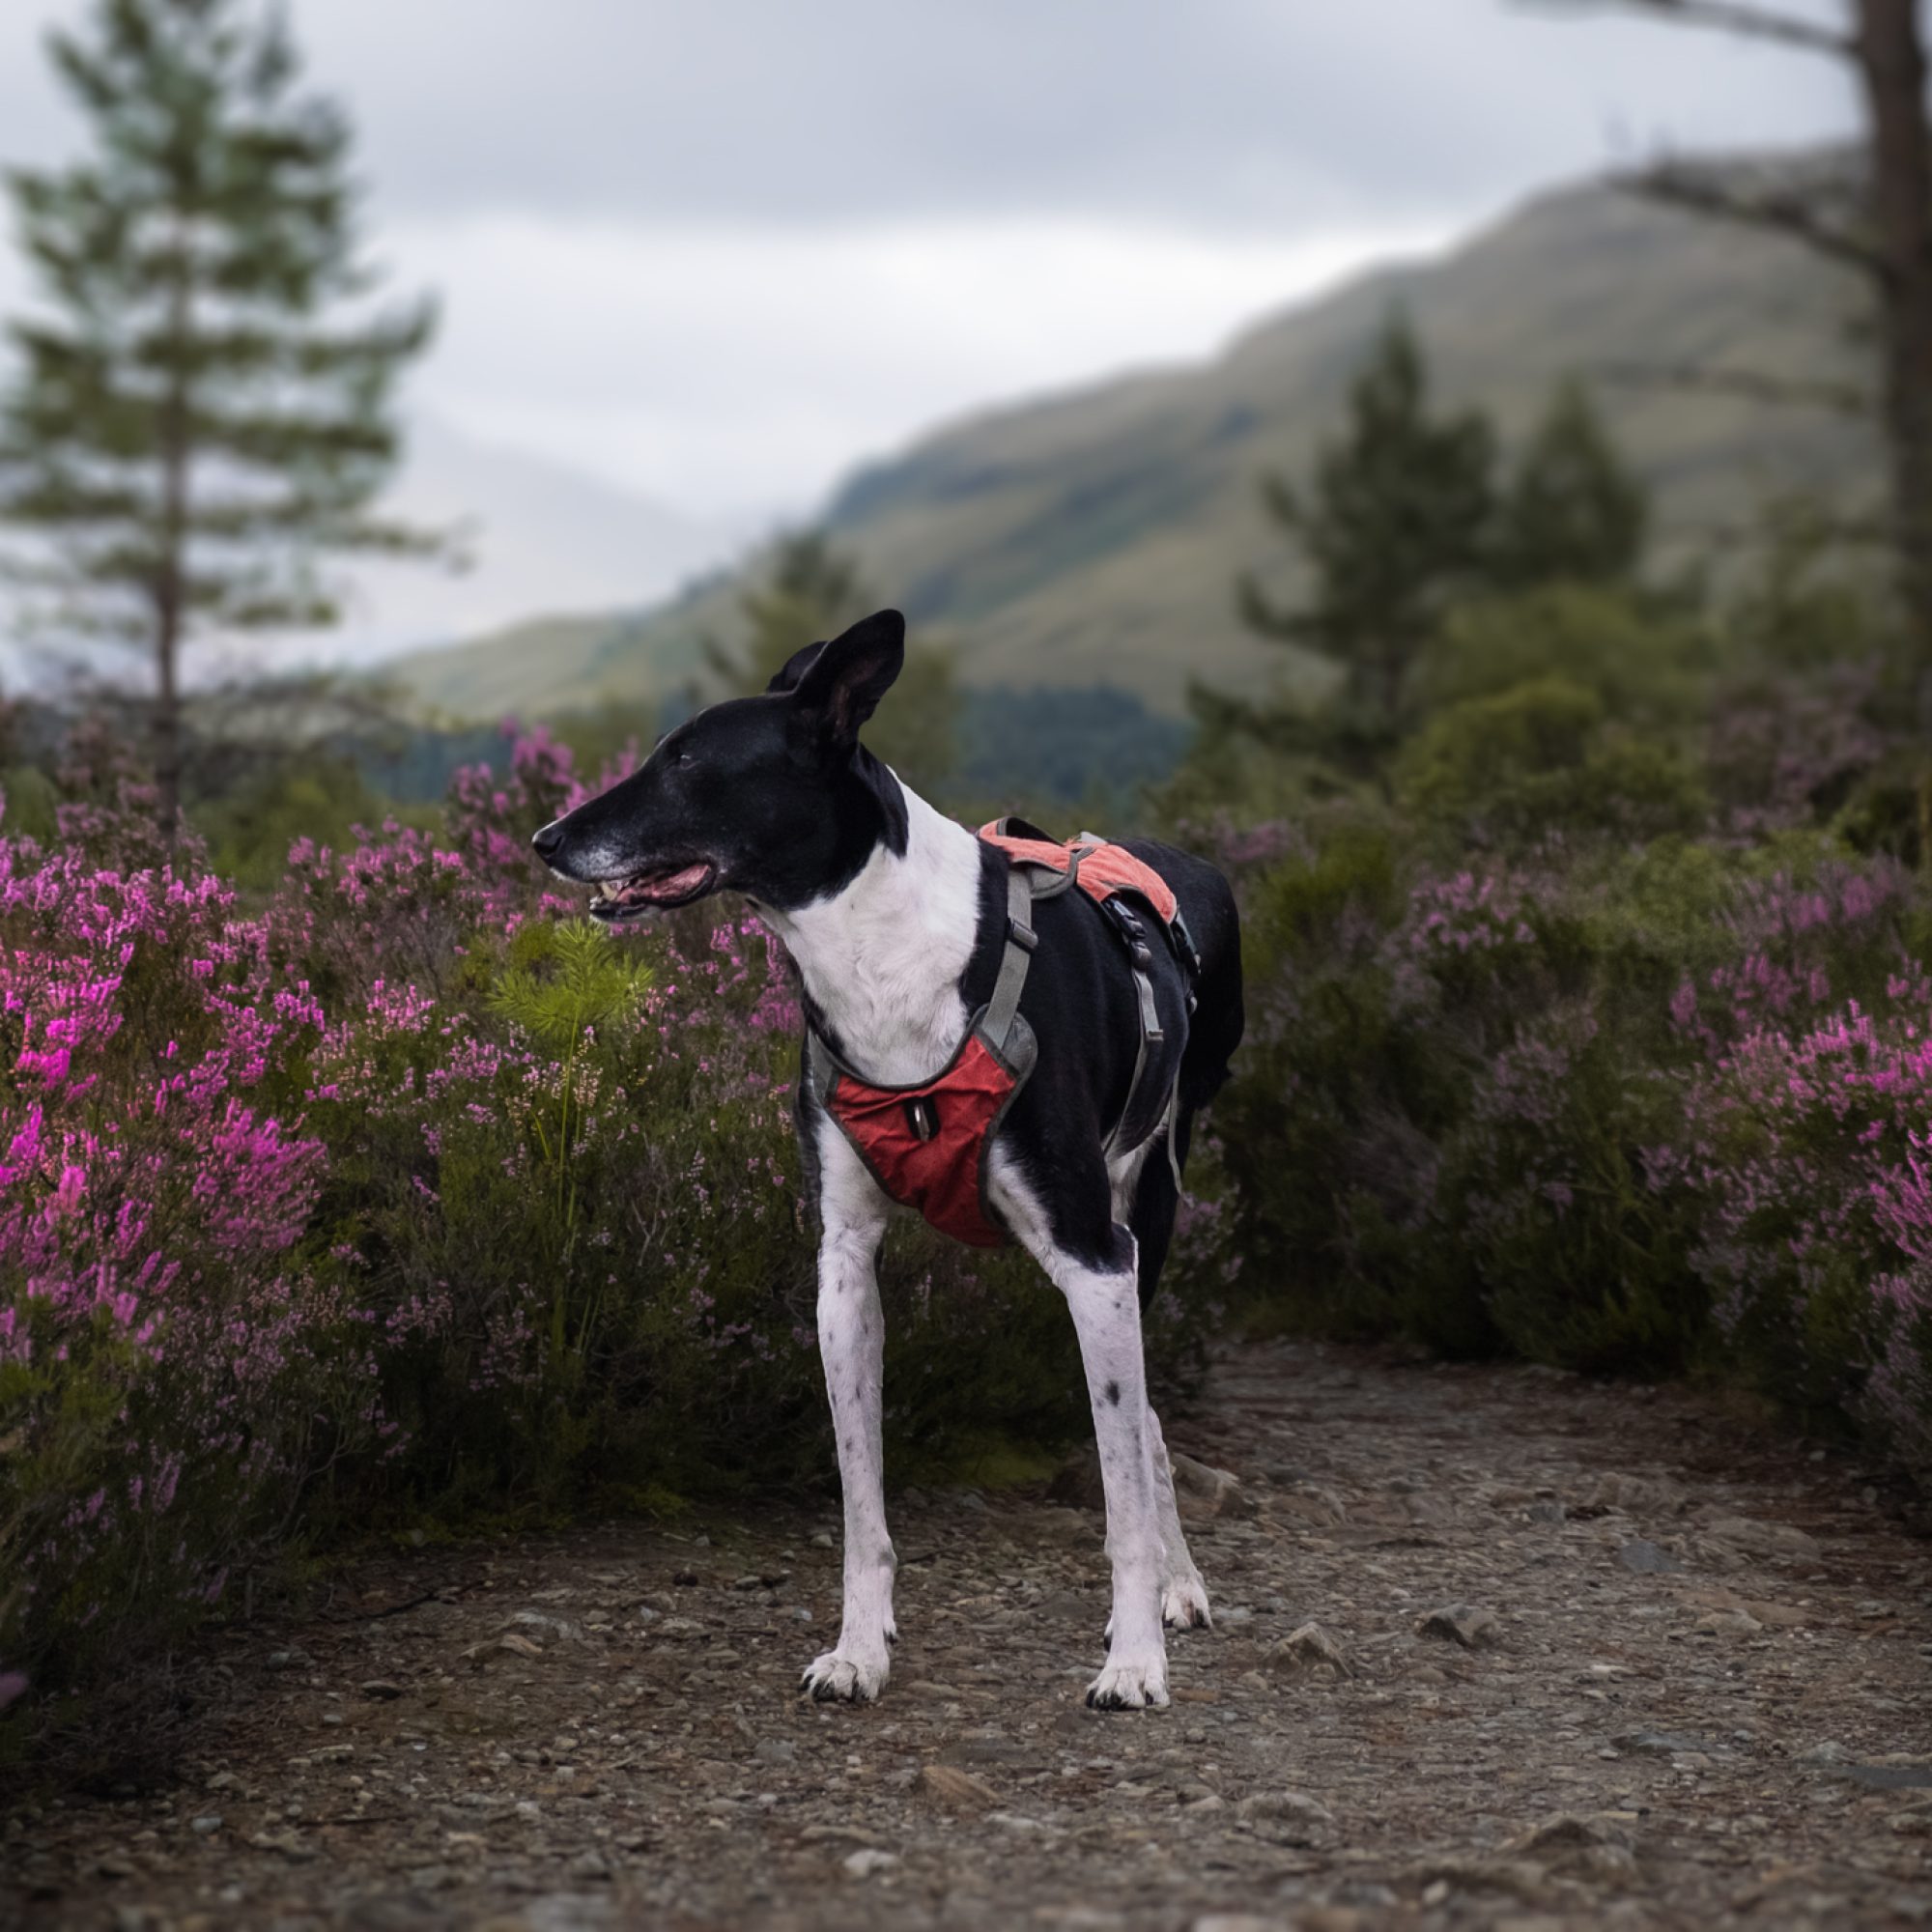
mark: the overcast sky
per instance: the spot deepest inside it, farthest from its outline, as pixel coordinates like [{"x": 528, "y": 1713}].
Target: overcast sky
[{"x": 716, "y": 251}]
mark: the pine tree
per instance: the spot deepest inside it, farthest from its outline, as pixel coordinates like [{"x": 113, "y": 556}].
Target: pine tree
[
  {"x": 1572, "y": 511},
  {"x": 1395, "y": 522},
  {"x": 807, "y": 591},
  {"x": 203, "y": 409},
  {"x": 811, "y": 589}
]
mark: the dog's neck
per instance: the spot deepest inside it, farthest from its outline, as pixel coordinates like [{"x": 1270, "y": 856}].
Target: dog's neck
[{"x": 882, "y": 958}]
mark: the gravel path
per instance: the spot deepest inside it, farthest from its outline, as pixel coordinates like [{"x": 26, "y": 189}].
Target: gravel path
[{"x": 1493, "y": 1648}]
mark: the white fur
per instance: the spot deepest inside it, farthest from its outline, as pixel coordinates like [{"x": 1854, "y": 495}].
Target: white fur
[
  {"x": 851, "y": 1344},
  {"x": 882, "y": 958}
]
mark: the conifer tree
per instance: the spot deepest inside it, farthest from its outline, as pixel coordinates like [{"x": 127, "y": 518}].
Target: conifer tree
[
  {"x": 203, "y": 406},
  {"x": 811, "y": 589},
  {"x": 1573, "y": 512},
  {"x": 1395, "y": 521}
]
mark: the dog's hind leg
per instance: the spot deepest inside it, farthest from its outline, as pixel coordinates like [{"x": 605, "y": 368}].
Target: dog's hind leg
[
  {"x": 1183, "y": 1596},
  {"x": 851, "y": 1343},
  {"x": 1146, "y": 1188}
]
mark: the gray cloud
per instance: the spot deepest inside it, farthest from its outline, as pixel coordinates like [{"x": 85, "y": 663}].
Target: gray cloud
[{"x": 1219, "y": 113}]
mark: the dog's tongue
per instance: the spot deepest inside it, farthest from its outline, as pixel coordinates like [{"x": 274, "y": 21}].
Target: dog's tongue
[
  {"x": 686, "y": 880},
  {"x": 666, "y": 885}
]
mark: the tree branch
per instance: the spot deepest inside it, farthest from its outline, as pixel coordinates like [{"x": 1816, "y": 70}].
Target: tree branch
[
  {"x": 1778, "y": 213},
  {"x": 1751, "y": 386},
  {"x": 1728, "y": 16}
]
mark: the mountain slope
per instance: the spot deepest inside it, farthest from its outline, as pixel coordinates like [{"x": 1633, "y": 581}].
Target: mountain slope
[{"x": 1095, "y": 537}]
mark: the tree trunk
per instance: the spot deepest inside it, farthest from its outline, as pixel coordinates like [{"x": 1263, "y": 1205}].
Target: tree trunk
[
  {"x": 168, "y": 751},
  {"x": 171, "y": 578},
  {"x": 1891, "y": 70}
]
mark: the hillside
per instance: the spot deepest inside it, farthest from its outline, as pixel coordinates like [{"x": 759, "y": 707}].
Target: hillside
[{"x": 1094, "y": 537}]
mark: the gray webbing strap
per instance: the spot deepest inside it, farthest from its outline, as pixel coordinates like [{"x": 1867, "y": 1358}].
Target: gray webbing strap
[
  {"x": 1149, "y": 1018},
  {"x": 820, "y": 1067},
  {"x": 1021, "y": 939}
]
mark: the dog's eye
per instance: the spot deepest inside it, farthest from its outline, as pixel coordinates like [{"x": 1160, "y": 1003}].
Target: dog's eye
[{"x": 683, "y": 756}]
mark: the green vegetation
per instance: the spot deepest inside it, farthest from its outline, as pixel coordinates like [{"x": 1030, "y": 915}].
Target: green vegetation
[
  {"x": 1586, "y": 997},
  {"x": 207, "y": 409}
]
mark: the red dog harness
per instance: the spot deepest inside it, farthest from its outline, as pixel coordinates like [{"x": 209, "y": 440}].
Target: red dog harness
[{"x": 926, "y": 1145}]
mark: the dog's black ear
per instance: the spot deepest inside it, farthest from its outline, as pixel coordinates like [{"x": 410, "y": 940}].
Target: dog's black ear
[
  {"x": 794, "y": 668},
  {"x": 842, "y": 684}
]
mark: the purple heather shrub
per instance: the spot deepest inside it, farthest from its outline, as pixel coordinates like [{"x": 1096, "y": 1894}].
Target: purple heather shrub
[{"x": 407, "y": 1189}]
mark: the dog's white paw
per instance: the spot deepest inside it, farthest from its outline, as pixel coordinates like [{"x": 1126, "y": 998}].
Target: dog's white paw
[
  {"x": 1130, "y": 1686},
  {"x": 1183, "y": 1604},
  {"x": 839, "y": 1679}
]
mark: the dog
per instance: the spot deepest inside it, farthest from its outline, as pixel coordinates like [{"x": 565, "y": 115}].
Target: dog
[{"x": 897, "y": 921}]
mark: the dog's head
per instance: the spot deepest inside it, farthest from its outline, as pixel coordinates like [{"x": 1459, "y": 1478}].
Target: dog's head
[{"x": 770, "y": 796}]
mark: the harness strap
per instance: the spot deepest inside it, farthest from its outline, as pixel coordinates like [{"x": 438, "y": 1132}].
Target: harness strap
[{"x": 1021, "y": 939}]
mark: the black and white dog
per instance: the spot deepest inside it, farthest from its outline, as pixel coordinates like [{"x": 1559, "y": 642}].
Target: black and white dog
[{"x": 896, "y": 918}]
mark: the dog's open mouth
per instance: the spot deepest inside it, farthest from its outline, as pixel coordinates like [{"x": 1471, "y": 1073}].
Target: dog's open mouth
[{"x": 654, "y": 891}]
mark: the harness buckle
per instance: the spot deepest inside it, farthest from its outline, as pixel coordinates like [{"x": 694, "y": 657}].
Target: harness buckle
[
  {"x": 923, "y": 1117},
  {"x": 1022, "y": 936}
]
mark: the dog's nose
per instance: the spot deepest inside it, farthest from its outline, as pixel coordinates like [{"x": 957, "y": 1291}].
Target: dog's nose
[{"x": 549, "y": 840}]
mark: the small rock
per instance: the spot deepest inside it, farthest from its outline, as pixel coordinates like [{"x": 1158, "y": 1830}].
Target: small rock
[
  {"x": 1648, "y": 1559},
  {"x": 1831, "y": 1751},
  {"x": 1671, "y": 1744},
  {"x": 867, "y": 1863},
  {"x": 207, "y": 1825},
  {"x": 1311, "y": 1651},
  {"x": 1312, "y": 1503},
  {"x": 948, "y": 1784},
  {"x": 115, "y": 1864},
  {"x": 775, "y": 1751},
  {"x": 1548, "y": 1512},
  {"x": 381, "y": 1689},
  {"x": 542, "y": 1620},
  {"x": 1636, "y": 1496},
  {"x": 1728, "y": 1623},
  {"x": 1763, "y": 1539},
  {"x": 1284, "y": 1807},
  {"x": 1204, "y": 1492},
  {"x": 509, "y": 1644},
  {"x": 1468, "y": 1624},
  {"x": 593, "y": 1866},
  {"x": 1571, "y": 1837}
]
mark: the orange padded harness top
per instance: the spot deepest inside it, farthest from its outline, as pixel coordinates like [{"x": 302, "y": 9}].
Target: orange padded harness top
[
  {"x": 1104, "y": 869},
  {"x": 925, "y": 1144}
]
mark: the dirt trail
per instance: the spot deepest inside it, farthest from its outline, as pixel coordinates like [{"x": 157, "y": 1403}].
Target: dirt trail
[{"x": 1701, "y": 1696}]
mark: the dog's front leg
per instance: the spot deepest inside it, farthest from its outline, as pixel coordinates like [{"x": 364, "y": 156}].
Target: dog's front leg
[
  {"x": 852, "y": 1343},
  {"x": 1105, "y": 1305}
]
